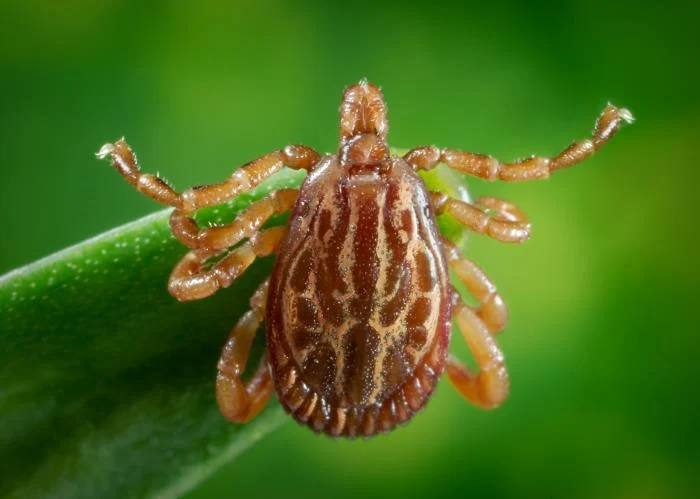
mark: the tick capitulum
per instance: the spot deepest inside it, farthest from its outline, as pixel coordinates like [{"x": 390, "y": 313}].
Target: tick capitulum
[{"x": 359, "y": 305}]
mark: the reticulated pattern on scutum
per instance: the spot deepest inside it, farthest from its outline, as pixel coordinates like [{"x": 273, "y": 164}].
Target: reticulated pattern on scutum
[{"x": 360, "y": 295}]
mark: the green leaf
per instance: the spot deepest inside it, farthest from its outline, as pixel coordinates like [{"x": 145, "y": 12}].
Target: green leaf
[{"x": 107, "y": 382}]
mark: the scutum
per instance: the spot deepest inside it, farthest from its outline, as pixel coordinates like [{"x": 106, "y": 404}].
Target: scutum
[{"x": 358, "y": 286}]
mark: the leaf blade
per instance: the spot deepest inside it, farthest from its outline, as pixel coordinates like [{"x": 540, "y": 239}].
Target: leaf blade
[{"x": 106, "y": 388}]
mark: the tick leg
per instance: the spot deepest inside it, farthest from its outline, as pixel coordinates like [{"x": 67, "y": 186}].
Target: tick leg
[
  {"x": 246, "y": 224},
  {"x": 241, "y": 401},
  {"x": 489, "y": 168},
  {"x": 190, "y": 280},
  {"x": 491, "y": 310},
  {"x": 493, "y": 217},
  {"x": 242, "y": 180},
  {"x": 182, "y": 223},
  {"x": 489, "y": 387}
]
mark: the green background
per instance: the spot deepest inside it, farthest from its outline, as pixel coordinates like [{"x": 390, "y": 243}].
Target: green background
[{"x": 603, "y": 345}]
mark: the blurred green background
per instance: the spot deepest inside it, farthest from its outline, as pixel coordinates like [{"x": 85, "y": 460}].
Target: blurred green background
[{"x": 603, "y": 344}]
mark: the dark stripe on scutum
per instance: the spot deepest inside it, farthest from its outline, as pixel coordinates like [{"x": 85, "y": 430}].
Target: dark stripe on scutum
[
  {"x": 300, "y": 265},
  {"x": 397, "y": 247},
  {"x": 320, "y": 370},
  {"x": 429, "y": 255},
  {"x": 305, "y": 326},
  {"x": 299, "y": 272},
  {"x": 296, "y": 310},
  {"x": 392, "y": 309},
  {"x": 360, "y": 349},
  {"x": 428, "y": 236},
  {"x": 419, "y": 311},
  {"x": 426, "y": 270},
  {"x": 366, "y": 268},
  {"x": 398, "y": 271},
  {"x": 396, "y": 368},
  {"x": 329, "y": 282},
  {"x": 361, "y": 343}
]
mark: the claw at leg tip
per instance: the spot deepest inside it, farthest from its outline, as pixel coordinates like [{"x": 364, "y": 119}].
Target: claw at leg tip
[
  {"x": 622, "y": 112},
  {"x": 105, "y": 151},
  {"x": 626, "y": 115}
]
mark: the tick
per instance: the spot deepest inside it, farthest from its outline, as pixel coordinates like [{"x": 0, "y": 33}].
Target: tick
[{"x": 359, "y": 306}]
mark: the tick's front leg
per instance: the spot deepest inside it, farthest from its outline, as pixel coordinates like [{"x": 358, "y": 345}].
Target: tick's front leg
[
  {"x": 182, "y": 223},
  {"x": 241, "y": 401},
  {"x": 489, "y": 168},
  {"x": 241, "y": 180}
]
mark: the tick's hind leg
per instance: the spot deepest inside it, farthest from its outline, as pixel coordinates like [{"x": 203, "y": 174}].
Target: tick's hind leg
[
  {"x": 241, "y": 401},
  {"x": 491, "y": 309},
  {"x": 487, "y": 388},
  {"x": 191, "y": 280}
]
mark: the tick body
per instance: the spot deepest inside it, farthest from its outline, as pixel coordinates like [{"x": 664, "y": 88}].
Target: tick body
[
  {"x": 359, "y": 307},
  {"x": 358, "y": 316}
]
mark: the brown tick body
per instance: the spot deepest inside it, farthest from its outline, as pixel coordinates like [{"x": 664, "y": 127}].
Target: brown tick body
[
  {"x": 359, "y": 305},
  {"x": 358, "y": 315}
]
